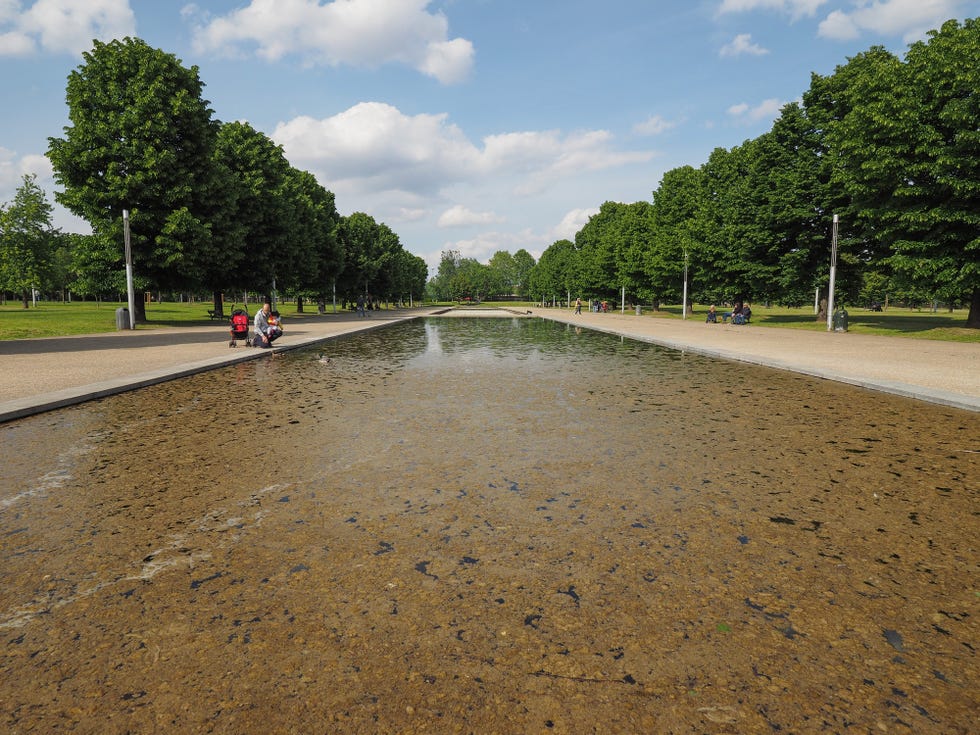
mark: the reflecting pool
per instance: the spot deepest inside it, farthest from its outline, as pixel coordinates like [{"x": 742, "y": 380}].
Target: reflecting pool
[{"x": 491, "y": 525}]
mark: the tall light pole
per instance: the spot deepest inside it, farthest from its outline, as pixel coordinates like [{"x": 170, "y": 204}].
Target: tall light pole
[
  {"x": 684, "y": 305},
  {"x": 833, "y": 274},
  {"x": 129, "y": 271}
]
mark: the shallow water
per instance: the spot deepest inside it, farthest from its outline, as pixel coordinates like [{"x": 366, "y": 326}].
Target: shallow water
[{"x": 491, "y": 525}]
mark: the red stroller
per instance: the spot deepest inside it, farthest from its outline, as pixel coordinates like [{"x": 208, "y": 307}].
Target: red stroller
[{"x": 239, "y": 327}]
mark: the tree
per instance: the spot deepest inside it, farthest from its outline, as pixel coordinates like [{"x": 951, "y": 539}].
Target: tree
[
  {"x": 360, "y": 237},
  {"x": 675, "y": 223},
  {"x": 937, "y": 201},
  {"x": 449, "y": 262},
  {"x": 95, "y": 265},
  {"x": 314, "y": 232},
  {"x": 264, "y": 206},
  {"x": 523, "y": 265},
  {"x": 140, "y": 139},
  {"x": 556, "y": 272},
  {"x": 503, "y": 271},
  {"x": 26, "y": 240},
  {"x": 597, "y": 246}
]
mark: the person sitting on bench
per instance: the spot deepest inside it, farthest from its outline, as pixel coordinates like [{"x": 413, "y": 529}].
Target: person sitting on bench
[{"x": 712, "y": 317}]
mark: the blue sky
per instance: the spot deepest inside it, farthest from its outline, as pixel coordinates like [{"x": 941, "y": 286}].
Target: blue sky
[{"x": 472, "y": 125}]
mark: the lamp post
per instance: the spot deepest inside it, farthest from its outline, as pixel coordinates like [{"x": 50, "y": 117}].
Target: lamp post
[
  {"x": 684, "y": 305},
  {"x": 129, "y": 271},
  {"x": 833, "y": 274}
]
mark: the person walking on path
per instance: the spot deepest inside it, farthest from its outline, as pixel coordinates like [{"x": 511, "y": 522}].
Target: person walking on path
[{"x": 578, "y": 305}]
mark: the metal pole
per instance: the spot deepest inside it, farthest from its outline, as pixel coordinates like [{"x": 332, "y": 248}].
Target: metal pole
[
  {"x": 685, "y": 287},
  {"x": 129, "y": 271},
  {"x": 833, "y": 274}
]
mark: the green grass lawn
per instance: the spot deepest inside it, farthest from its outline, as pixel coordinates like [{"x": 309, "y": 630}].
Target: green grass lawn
[
  {"x": 55, "y": 319},
  {"x": 895, "y": 322}
]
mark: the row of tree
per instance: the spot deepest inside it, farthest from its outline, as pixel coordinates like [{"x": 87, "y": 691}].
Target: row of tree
[
  {"x": 213, "y": 206},
  {"x": 466, "y": 278},
  {"x": 891, "y": 146}
]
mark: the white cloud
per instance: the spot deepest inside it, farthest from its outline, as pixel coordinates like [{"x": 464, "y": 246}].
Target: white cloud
[
  {"x": 62, "y": 26},
  {"x": 12, "y": 172},
  {"x": 373, "y": 148},
  {"x": 571, "y": 223},
  {"x": 765, "y": 110},
  {"x": 910, "y": 19},
  {"x": 460, "y": 216},
  {"x": 422, "y": 171},
  {"x": 353, "y": 32},
  {"x": 795, "y": 8},
  {"x": 14, "y": 168},
  {"x": 653, "y": 125},
  {"x": 741, "y": 45},
  {"x": 839, "y": 26}
]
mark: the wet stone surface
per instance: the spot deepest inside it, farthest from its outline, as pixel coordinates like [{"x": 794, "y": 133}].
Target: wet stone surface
[{"x": 491, "y": 526}]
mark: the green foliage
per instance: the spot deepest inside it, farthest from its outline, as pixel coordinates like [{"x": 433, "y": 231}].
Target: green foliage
[
  {"x": 523, "y": 265},
  {"x": 140, "y": 139},
  {"x": 26, "y": 241},
  {"x": 556, "y": 272}
]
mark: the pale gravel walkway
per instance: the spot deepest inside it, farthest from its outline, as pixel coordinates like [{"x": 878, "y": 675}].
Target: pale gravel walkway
[
  {"x": 44, "y": 374},
  {"x": 937, "y": 371}
]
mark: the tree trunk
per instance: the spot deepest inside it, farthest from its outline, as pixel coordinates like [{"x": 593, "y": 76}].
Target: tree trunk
[
  {"x": 299, "y": 304},
  {"x": 973, "y": 318},
  {"x": 24, "y": 299},
  {"x": 219, "y": 304}
]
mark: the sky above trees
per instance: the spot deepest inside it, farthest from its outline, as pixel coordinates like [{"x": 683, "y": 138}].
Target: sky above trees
[{"x": 465, "y": 125}]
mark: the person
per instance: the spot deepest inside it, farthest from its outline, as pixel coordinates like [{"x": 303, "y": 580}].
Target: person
[
  {"x": 712, "y": 315},
  {"x": 261, "y": 326},
  {"x": 578, "y": 305},
  {"x": 741, "y": 316},
  {"x": 736, "y": 309},
  {"x": 360, "y": 305},
  {"x": 275, "y": 326}
]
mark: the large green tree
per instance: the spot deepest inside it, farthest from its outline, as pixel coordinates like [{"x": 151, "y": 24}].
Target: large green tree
[
  {"x": 26, "y": 240},
  {"x": 140, "y": 139},
  {"x": 557, "y": 271},
  {"x": 676, "y": 234},
  {"x": 523, "y": 264},
  {"x": 935, "y": 227},
  {"x": 360, "y": 237},
  {"x": 264, "y": 207},
  {"x": 318, "y": 257}
]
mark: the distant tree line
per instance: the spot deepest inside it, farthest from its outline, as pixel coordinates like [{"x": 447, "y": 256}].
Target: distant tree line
[
  {"x": 460, "y": 278},
  {"x": 891, "y": 146},
  {"x": 213, "y": 206}
]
